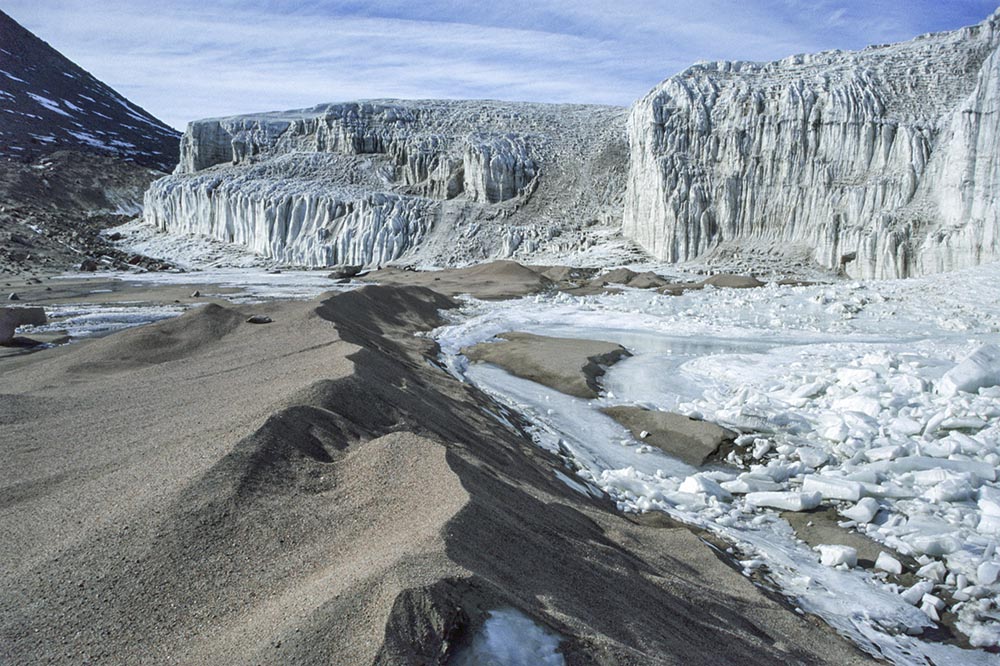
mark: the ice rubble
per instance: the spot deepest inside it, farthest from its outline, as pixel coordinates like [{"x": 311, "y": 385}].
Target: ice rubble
[
  {"x": 431, "y": 182},
  {"x": 510, "y": 638},
  {"x": 881, "y": 160},
  {"x": 841, "y": 395}
]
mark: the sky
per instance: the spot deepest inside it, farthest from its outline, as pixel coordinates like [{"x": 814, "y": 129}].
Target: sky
[{"x": 187, "y": 59}]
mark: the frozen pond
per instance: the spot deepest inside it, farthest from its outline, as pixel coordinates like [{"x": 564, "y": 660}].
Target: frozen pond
[
  {"x": 82, "y": 319},
  {"x": 840, "y": 395}
]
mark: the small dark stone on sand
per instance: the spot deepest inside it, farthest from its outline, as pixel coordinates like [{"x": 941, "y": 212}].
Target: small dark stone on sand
[
  {"x": 259, "y": 319},
  {"x": 13, "y": 296},
  {"x": 195, "y": 294}
]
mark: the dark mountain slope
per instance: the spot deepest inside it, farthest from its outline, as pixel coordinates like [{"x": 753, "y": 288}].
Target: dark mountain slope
[{"x": 48, "y": 103}]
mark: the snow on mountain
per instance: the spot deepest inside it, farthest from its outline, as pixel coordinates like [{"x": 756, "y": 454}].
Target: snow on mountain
[
  {"x": 48, "y": 103},
  {"x": 882, "y": 160}
]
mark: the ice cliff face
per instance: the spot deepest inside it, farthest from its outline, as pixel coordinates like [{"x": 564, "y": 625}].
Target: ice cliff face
[
  {"x": 434, "y": 182},
  {"x": 884, "y": 160}
]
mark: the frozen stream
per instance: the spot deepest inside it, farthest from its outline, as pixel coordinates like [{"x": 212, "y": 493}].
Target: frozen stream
[
  {"x": 237, "y": 285},
  {"x": 839, "y": 394}
]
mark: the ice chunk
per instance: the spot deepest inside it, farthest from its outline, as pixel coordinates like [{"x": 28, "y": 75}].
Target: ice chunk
[
  {"x": 933, "y": 571},
  {"x": 963, "y": 423},
  {"x": 981, "y": 369},
  {"x": 935, "y": 545},
  {"x": 885, "y": 452},
  {"x": 786, "y": 501},
  {"x": 511, "y": 637},
  {"x": 914, "y": 594},
  {"x": 930, "y": 608},
  {"x": 856, "y": 377},
  {"x": 905, "y": 426},
  {"x": 915, "y": 463},
  {"x": 951, "y": 490},
  {"x": 989, "y": 501},
  {"x": 886, "y": 562},
  {"x": 931, "y": 600},
  {"x": 858, "y": 403},
  {"x": 831, "y": 555},
  {"x": 812, "y": 457},
  {"x": 863, "y": 512},
  {"x": 832, "y": 487},
  {"x": 749, "y": 483},
  {"x": 989, "y": 524},
  {"x": 701, "y": 485},
  {"x": 987, "y": 573}
]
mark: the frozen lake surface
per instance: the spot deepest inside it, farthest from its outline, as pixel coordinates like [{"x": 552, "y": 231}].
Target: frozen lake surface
[{"x": 844, "y": 395}]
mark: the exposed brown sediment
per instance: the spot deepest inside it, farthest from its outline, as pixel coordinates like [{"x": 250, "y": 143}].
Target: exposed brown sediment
[
  {"x": 690, "y": 440},
  {"x": 568, "y": 365}
]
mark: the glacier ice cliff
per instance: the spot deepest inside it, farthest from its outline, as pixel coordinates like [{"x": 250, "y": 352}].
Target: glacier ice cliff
[
  {"x": 431, "y": 182},
  {"x": 883, "y": 161}
]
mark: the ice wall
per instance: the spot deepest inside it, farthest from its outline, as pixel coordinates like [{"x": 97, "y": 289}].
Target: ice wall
[
  {"x": 368, "y": 182},
  {"x": 883, "y": 161}
]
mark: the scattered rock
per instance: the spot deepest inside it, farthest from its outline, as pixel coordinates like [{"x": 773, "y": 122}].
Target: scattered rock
[
  {"x": 259, "y": 319},
  {"x": 616, "y": 276},
  {"x": 647, "y": 280},
  {"x": 11, "y": 318},
  {"x": 116, "y": 236},
  {"x": 344, "y": 271},
  {"x": 729, "y": 281},
  {"x": 88, "y": 265}
]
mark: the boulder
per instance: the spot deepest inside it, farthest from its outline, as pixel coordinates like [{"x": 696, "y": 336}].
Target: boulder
[
  {"x": 344, "y": 271},
  {"x": 12, "y": 317}
]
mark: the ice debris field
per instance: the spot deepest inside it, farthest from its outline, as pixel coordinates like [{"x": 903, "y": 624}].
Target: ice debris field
[{"x": 880, "y": 399}]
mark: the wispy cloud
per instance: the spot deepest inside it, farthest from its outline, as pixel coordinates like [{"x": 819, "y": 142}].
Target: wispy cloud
[{"x": 186, "y": 59}]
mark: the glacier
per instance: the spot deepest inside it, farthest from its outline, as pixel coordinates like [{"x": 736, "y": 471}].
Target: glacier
[
  {"x": 428, "y": 182},
  {"x": 879, "y": 163},
  {"x": 882, "y": 162}
]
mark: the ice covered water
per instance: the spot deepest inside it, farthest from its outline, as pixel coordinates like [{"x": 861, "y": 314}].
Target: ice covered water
[
  {"x": 510, "y": 638},
  {"x": 875, "y": 398}
]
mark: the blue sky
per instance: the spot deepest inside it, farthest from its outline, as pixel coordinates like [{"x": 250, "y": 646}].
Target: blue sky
[{"x": 188, "y": 59}]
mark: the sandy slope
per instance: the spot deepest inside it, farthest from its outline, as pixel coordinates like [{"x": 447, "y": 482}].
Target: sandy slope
[{"x": 315, "y": 490}]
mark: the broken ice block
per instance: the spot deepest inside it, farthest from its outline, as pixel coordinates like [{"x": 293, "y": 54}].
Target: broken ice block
[
  {"x": 701, "y": 485},
  {"x": 987, "y": 573},
  {"x": 831, "y": 555},
  {"x": 787, "y": 501},
  {"x": 981, "y": 369},
  {"x": 886, "y": 562},
  {"x": 863, "y": 512},
  {"x": 832, "y": 487}
]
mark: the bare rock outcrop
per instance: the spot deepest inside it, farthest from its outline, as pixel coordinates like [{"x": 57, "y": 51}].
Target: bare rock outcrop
[{"x": 13, "y": 317}]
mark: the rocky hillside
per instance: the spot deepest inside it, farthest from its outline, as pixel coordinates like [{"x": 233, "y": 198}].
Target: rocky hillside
[
  {"x": 884, "y": 161},
  {"x": 48, "y": 103},
  {"x": 75, "y": 158},
  {"x": 433, "y": 182}
]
